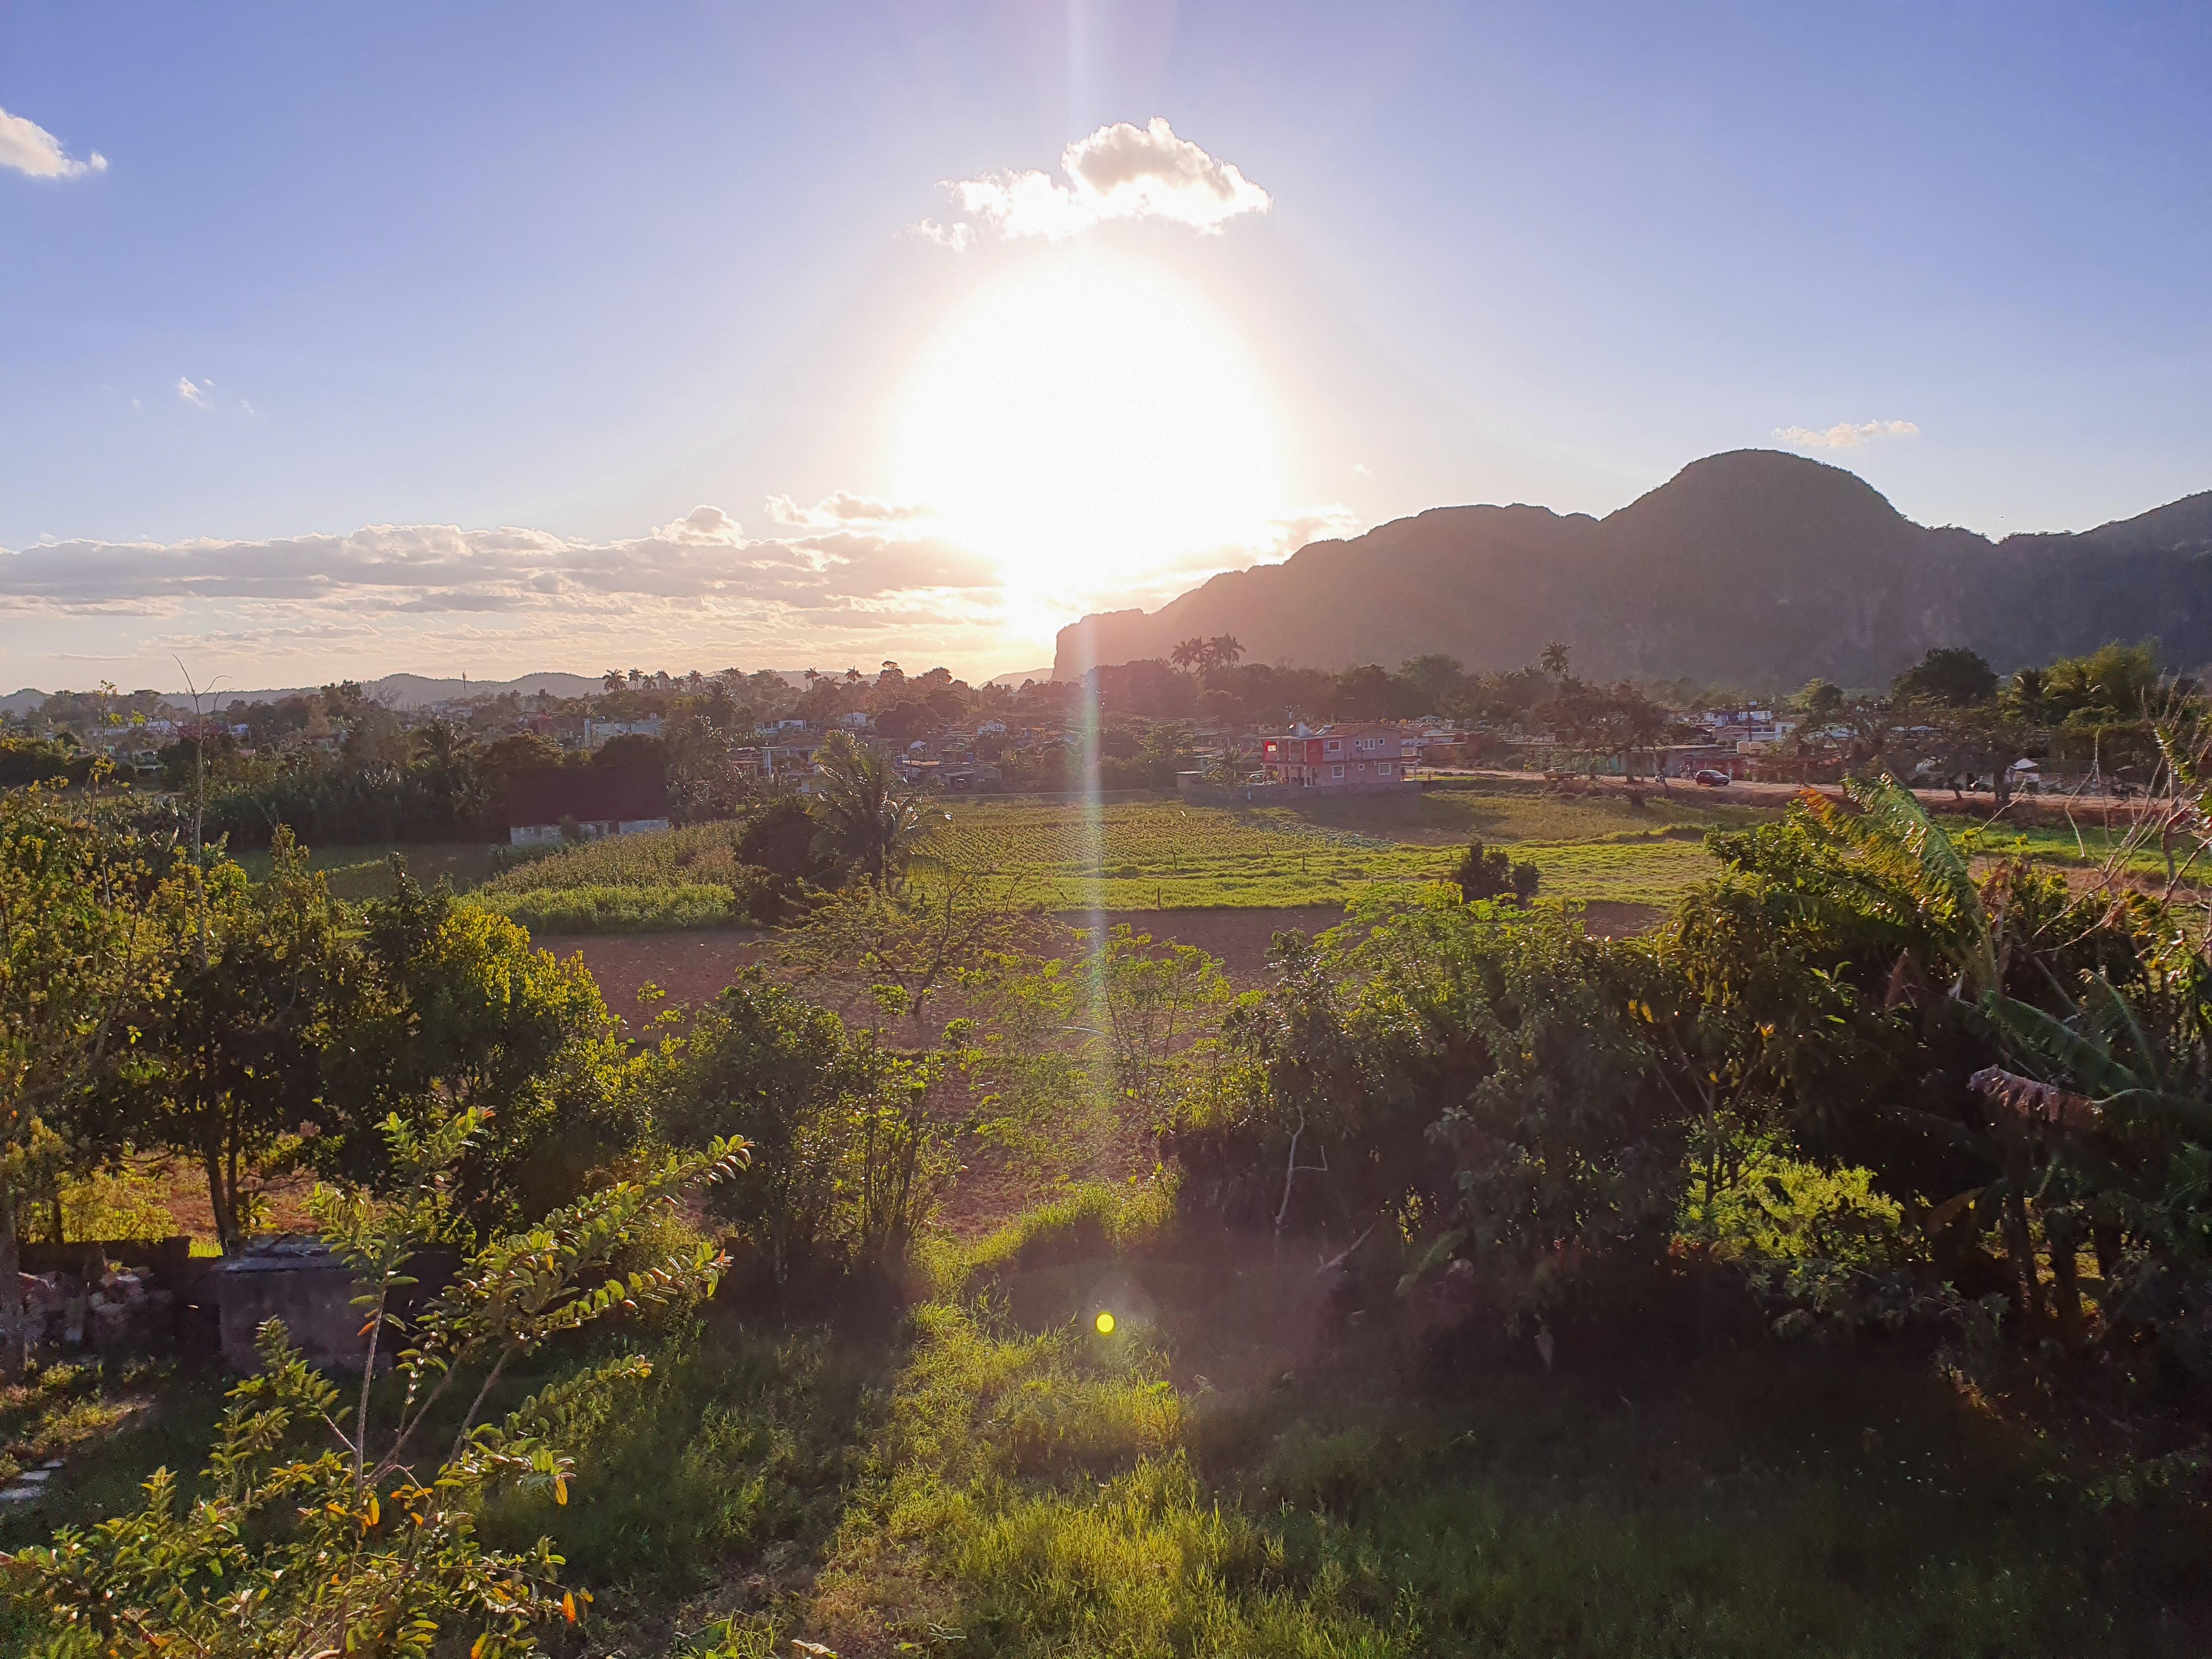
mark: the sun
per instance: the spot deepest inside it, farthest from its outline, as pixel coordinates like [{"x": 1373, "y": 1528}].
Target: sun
[{"x": 1085, "y": 423}]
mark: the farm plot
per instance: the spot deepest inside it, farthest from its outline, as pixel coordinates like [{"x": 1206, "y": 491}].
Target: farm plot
[
  {"x": 1128, "y": 855},
  {"x": 659, "y": 881}
]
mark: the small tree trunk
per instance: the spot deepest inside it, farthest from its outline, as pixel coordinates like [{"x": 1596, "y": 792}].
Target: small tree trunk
[
  {"x": 2020, "y": 1243},
  {"x": 14, "y": 1320},
  {"x": 2065, "y": 1277},
  {"x": 226, "y": 1219}
]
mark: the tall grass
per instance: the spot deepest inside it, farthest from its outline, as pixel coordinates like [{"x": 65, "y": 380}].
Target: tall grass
[
  {"x": 656, "y": 881},
  {"x": 1052, "y": 1490}
]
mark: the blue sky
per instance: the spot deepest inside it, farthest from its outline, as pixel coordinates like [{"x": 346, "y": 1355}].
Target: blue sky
[{"x": 533, "y": 285}]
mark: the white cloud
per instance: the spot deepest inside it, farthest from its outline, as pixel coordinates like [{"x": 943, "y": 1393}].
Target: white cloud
[
  {"x": 958, "y": 238},
  {"x": 1280, "y": 538},
  {"x": 200, "y": 396},
  {"x": 701, "y": 561},
  {"x": 29, "y": 148},
  {"x": 1119, "y": 171},
  {"x": 1363, "y": 469},
  {"x": 842, "y": 511},
  {"x": 1844, "y": 436}
]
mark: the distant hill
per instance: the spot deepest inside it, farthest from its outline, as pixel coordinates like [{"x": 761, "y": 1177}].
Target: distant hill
[
  {"x": 396, "y": 690},
  {"x": 417, "y": 692},
  {"x": 1754, "y": 568}
]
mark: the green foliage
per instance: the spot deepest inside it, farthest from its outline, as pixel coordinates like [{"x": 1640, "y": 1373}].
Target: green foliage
[
  {"x": 849, "y": 1160},
  {"x": 665, "y": 908},
  {"x": 866, "y": 815},
  {"x": 459, "y": 1010},
  {"x": 1093, "y": 1221},
  {"x": 51, "y": 760},
  {"x": 1948, "y": 674},
  {"x": 229, "y": 1055},
  {"x": 697, "y": 876},
  {"x": 1149, "y": 855},
  {"x": 1778, "y": 1209},
  {"x": 1491, "y": 873},
  {"x": 726, "y": 1444},
  {"x": 85, "y": 921},
  {"x": 319, "y": 1526}
]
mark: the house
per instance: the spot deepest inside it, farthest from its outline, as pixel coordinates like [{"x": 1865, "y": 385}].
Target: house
[
  {"x": 1356, "y": 755},
  {"x": 599, "y": 800}
]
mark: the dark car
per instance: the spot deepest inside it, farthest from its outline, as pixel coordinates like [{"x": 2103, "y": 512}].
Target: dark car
[{"x": 1711, "y": 779}]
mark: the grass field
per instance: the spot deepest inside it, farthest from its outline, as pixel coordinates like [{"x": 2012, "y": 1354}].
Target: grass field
[
  {"x": 1159, "y": 854},
  {"x": 659, "y": 881},
  {"x": 1165, "y": 856},
  {"x": 360, "y": 872}
]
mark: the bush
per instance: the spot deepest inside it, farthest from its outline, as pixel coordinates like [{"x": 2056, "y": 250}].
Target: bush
[
  {"x": 640, "y": 909},
  {"x": 848, "y": 1162},
  {"x": 1490, "y": 874}
]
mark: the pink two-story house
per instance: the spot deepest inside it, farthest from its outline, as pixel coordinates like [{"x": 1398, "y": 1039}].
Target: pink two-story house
[{"x": 1351, "y": 755}]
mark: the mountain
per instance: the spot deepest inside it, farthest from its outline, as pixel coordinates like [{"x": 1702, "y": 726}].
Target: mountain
[
  {"x": 418, "y": 691},
  {"x": 1752, "y": 569}
]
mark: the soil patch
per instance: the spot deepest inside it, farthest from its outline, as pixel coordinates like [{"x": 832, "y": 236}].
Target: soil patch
[
  {"x": 692, "y": 966},
  {"x": 1239, "y": 938}
]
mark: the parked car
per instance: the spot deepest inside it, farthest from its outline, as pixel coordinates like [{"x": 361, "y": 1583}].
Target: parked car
[{"x": 1712, "y": 778}]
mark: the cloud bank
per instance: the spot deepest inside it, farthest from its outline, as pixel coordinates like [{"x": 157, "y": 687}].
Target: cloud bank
[
  {"x": 1844, "y": 436},
  {"x": 29, "y": 148},
  {"x": 1119, "y": 171},
  {"x": 701, "y": 559}
]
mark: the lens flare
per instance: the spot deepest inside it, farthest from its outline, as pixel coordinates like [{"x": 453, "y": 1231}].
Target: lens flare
[{"x": 1105, "y": 1324}]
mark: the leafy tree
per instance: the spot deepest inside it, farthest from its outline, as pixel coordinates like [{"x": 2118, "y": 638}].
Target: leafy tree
[
  {"x": 1489, "y": 873},
  {"x": 867, "y": 815},
  {"x": 779, "y": 838},
  {"x": 2113, "y": 683},
  {"x": 1424, "y": 684},
  {"x": 1951, "y": 675},
  {"x": 324, "y": 1526},
  {"x": 1820, "y": 700},
  {"x": 901, "y": 953},
  {"x": 85, "y": 925},
  {"x": 458, "y": 1009},
  {"x": 1360, "y": 694},
  {"x": 847, "y": 1163},
  {"x": 1161, "y": 1002},
  {"x": 631, "y": 748},
  {"x": 228, "y": 1068}
]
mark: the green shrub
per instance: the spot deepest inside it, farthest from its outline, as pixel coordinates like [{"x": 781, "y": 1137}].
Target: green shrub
[{"x": 628, "y": 909}]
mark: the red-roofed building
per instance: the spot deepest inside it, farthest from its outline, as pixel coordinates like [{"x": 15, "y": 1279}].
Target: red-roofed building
[{"x": 1353, "y": 755}]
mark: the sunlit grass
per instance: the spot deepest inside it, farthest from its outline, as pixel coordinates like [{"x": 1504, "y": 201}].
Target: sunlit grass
[{"x": 1167, "y": 855}]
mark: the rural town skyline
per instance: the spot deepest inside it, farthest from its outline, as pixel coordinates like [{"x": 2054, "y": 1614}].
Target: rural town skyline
[{"x": 494, "y": 344}]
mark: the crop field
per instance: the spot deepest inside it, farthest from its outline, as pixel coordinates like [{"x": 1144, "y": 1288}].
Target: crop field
[
  {"x": 1165, "y": 856},
  {"x": 662, "y": 881},
  {"x": 360, "y": 872}
]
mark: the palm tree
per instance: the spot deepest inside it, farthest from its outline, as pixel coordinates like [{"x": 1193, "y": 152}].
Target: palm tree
[
  {"x": 865, "y": 813},
  {"x": 612, "y": 680},
  {"x": 1553, "y": 661},
  {"x": 1189, "y": 655},
  {"x": 1224, "y": 650}
]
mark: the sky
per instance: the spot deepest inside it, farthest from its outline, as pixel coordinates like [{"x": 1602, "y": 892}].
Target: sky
[{"x": 343, "y": 340}]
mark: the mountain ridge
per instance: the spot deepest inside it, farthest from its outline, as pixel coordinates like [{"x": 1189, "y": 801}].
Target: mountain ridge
[{"x": 1752, "y": 567}]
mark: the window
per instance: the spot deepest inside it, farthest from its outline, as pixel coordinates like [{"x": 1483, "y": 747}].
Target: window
[
  {"x": 1384, "y": 769},
  {"x": 1335, "y": 745},
  {"x": 1336, "y": 771}
]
